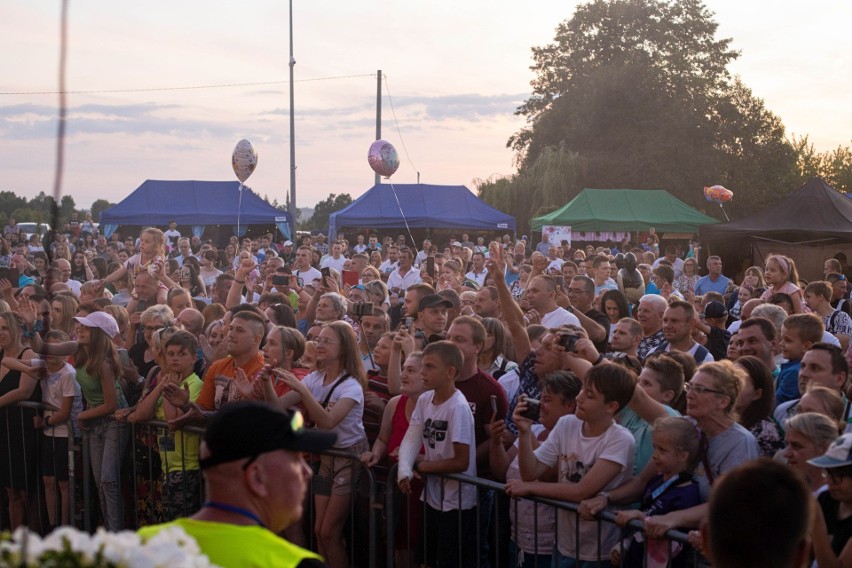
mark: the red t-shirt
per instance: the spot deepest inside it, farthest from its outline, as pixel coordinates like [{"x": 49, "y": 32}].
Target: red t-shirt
[{"x": 478, "y": 390}]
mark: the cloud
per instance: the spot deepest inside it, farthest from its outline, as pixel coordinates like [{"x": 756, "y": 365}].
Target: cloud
[
  {"x": 471, "y": 107},
  {"x": 32, "y": 121}
]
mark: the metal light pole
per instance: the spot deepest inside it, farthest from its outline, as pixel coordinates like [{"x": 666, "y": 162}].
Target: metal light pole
[
  {"x": 378, "y": 113},
  {"x": 293, "y": 210}
]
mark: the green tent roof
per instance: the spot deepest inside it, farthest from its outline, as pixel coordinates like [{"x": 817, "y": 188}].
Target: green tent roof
[{"x": 626, "y": 210}]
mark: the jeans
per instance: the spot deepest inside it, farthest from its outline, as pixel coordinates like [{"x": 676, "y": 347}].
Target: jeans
[{"x": 107, "y": 440}]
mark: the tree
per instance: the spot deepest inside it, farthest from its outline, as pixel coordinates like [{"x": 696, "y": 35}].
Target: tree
[
  {"x": 639, "y": 90},
  {"x": 835, "y": 167},
  {"x": 98, "y": 207},
  {"x": 319, "y": 220}
]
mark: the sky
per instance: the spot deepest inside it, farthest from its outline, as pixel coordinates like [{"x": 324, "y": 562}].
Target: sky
[{"x": 455, "y": 73}]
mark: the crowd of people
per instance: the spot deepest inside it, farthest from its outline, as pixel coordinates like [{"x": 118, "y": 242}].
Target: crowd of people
[{"x": 616, "y": 377}]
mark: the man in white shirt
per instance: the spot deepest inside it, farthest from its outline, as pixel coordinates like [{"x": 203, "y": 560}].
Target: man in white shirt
[
  {"x": 336, "y": 259},
  {"x": 405, "y": 274},
  {"x": 172, "y": 235},
  {"x": 390, "y": 263},
  {"x": 541, "y": 294},
  {"x": 303, "y": 271},
  {"x": 185, "y": 250},
  {"x": 424, "y": 252},
  {"x": 360, "y": 247},
  {"x": 554, "y": 254},
  {"x": 601, "y": 271},
  {"x": 478, "y": 272}
]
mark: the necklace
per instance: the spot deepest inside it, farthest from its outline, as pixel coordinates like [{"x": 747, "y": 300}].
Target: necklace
[{"x": 235, "y": 510}]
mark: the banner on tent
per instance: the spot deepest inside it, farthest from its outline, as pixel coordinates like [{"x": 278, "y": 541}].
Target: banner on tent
[{"x": 556, "y": 234}]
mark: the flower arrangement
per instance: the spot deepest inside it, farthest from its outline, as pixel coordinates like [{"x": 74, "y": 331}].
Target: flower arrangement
[{"x": 67, "y": 547}]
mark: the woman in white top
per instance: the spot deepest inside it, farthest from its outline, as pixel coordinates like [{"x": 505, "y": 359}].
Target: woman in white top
[
  {"x": 333, "y": 397},
  {"x": 209, "y": 272}
]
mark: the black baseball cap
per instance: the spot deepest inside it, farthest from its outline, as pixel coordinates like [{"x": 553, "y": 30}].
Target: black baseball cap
[
  {"x": 433, "y": 301},
  {"x": 248, "y": 429}
]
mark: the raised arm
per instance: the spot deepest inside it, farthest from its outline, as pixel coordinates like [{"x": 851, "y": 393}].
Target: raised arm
[{"x": 512, "y": 314}]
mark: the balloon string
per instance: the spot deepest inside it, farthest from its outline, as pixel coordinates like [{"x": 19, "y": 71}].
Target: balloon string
[
  {"x": 404, "y": 220},
  {"x": 239, "y": 210},
  {"x": 725, "y": 213}
]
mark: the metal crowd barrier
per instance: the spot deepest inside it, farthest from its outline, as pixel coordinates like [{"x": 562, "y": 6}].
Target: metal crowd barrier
[
  {"x": 499, "y": 534},
  {"x": 147, "y": 499}
]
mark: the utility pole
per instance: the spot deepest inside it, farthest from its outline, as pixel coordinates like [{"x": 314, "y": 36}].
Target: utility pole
[
  {"x": 378, "y": 112},
  {"x": 293, "y": 210}
]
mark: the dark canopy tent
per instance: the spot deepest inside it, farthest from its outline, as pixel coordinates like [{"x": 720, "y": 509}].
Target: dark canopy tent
[
  {"x": 810, "y": 225},
  {"x": 625, "y": 210},
  {"x": 198, "y": 204},
  {"x": 425, "y": 207}
]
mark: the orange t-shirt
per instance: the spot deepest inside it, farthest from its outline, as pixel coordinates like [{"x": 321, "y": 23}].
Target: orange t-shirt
[{"x": 224, "y": 368}]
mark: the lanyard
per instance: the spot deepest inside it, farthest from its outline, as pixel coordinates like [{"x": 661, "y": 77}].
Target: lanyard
[
  {"x": 680, "y": 478},
  {"x": 233, "y": 509}
]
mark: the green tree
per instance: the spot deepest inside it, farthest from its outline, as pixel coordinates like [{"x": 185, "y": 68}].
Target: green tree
[
  {"x": 545, "y": 185},
  {"x": 835, "y": 166},
  {"x": 319, "y": 220},
  {"x": 98, "y": 207},
  {"x": 639, "y": 90}
]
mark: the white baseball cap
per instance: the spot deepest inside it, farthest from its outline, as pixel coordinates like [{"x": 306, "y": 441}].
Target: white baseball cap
[
  {"x": 102, "y": 321},
  {"x": 839, "y": 454}
]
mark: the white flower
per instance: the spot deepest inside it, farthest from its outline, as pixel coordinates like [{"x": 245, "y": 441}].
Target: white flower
[{"x": 171, "y": 548}]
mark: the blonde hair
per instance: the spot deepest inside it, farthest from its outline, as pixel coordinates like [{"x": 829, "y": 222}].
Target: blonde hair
[
  {"x": 786, "y": 264},
  {"x": 68, "y": 308},
  {"x": 727, "y": 378},
  {"x": 159, "y": 241},
  {"x": 350, "y": 360},
  {"x": 816, "y": 427}
]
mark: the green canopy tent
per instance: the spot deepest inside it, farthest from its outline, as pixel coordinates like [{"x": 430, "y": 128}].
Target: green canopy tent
[{"x": 626, "y": 210}]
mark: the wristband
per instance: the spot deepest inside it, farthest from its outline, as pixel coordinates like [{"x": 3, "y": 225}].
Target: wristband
[
  {"x": 598, "y": 360},
  {"x": 605, "y": 495},
  {"x": 239, "y": 281}
]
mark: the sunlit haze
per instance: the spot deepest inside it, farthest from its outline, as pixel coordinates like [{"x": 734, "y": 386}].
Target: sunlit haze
[{"x": 456, "y": 73}]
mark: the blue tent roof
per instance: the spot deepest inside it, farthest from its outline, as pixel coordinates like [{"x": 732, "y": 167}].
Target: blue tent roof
[
  {"x": 425, "y": 206},
  {"x": 192, "y": 202}
]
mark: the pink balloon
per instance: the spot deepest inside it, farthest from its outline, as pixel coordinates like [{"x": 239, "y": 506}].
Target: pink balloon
[
  {"x": 382, "y": 158},
  {"x": 718, "y": 194}
]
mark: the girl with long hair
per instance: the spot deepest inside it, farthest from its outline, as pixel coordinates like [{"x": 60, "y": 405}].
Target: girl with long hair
[
  {"x": 783, "y": 278},
  {"x": 62, "y": 312},
  {"x": 98, "y": 369},
  {"x": 333, "y": 396}
]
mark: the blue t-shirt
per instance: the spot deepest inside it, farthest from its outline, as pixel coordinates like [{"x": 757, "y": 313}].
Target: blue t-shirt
[
  {"x": 787, "y": 383},
  {"x": 705, "y": 285}
]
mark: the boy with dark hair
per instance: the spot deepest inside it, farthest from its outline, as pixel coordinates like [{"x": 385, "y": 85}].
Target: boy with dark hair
[
  {"x": 442, "y": 423},
  {"x": 590, "y": 453},
  {"x": 178, "y": 449}
]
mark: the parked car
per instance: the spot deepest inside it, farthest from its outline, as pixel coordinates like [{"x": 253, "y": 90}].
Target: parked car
[{"x": 29, "y": 228}]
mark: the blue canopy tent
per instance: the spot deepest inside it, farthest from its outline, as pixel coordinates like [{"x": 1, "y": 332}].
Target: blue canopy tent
[
  {"x": 425, "y": 206},
  {"x": 195, "y": 203}
]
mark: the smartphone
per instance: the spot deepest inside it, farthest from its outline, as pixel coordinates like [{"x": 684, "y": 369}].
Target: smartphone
[
  {"x": 569, "y": 342},
  {"x": 430, "y": 266},
  {"x": 494, "y": 404},
  {"x": 326, "y": 273},
  {"x": 350, "y": 277},
  {"x": 10, "y": 274},
  {"x": 409, "y": 321},
  {"x": 123, "y": 357},
  {"x": 560, "y": 281},
  {"x": 280, "y": 280},
  {"x": 533, "y": 411},
  {"x": 185, "y": 273}
]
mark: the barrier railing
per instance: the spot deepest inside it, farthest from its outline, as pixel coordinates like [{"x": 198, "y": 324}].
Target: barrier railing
[
  {"x": 157, "y": 483},
  {"x": 500, "y": 555}
]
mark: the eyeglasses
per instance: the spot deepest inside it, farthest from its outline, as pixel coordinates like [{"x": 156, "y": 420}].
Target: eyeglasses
[
  {"x": 833, "y": 476},
  {"x": 576, "y": 290},
  {"x": 699, "y": 389},
  {"x": 324, "y": 341}
]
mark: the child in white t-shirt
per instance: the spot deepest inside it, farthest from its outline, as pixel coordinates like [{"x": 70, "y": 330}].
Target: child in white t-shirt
[
  {"x": 63, "y": 400},
  {"x": 442, "y": 422},
  {"x": 589, "y": 453}
]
